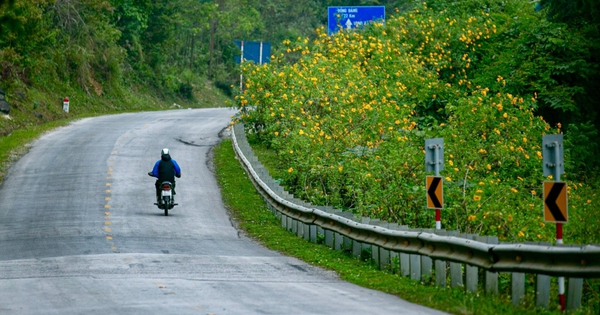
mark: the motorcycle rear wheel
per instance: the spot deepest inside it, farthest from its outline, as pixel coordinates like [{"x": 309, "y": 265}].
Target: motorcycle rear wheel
[{"x": 166, "y": 205}]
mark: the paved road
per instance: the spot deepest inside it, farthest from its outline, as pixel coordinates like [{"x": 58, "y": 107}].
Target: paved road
[{"x": 79, "y": 233}]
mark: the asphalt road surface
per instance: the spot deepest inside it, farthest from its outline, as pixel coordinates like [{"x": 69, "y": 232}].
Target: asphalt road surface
[{"x": 79, "y": 233}]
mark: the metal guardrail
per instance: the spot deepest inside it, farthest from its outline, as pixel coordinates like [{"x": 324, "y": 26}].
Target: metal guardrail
[{"x": 560, "y": 261}]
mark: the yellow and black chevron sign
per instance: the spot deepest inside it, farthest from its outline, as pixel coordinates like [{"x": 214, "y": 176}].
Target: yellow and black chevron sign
[
  {"x": 435, "y": 192},
  {"x": 555, "y": 202}
]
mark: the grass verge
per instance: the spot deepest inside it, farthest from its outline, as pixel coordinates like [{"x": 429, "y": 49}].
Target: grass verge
[{"x": 252, "y": 216}]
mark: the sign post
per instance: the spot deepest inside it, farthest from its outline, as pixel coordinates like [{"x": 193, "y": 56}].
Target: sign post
[
  {"x": 241, "y": 72},
  {"x": 555, "y": 194},
  {"x": 434, "y": 161}
]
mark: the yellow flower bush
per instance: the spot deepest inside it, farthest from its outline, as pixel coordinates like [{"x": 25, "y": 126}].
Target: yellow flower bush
[{"x": 355, "y": 109}]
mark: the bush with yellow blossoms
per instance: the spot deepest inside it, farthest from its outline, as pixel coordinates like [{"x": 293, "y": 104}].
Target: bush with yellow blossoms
[{"x": 348, "y": 121}]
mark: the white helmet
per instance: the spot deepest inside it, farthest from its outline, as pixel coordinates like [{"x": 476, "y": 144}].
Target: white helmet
[{"x": 164, "y": 151}]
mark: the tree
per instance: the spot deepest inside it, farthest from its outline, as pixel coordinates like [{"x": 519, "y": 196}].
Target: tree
[{"x": 572, "y": 11}]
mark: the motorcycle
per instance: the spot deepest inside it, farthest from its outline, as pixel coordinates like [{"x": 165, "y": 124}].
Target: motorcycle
[{"x": 166, "y": 201}]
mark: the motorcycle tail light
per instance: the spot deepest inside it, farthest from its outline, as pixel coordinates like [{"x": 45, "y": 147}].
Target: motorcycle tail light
[{"x": 166, "y": 187}]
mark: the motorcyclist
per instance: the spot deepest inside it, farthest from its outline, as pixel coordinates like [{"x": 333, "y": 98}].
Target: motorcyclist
[{"x": 165, "y": 170}]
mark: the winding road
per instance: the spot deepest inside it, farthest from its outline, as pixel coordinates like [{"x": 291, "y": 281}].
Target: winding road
[{"x": 79, "y": 233}]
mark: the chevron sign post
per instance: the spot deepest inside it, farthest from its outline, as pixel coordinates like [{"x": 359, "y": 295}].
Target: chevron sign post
[
  {"x": 434, "y": 162},
  {"x": 555, "y": 194}
]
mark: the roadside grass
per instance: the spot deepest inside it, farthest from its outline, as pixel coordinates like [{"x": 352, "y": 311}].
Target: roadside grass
[{"x": 250, "y": 213}]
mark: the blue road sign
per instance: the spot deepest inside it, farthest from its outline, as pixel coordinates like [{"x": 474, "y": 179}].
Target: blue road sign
[
  {"x": 353, "y": 17},
  {"x": 259, "y": 52}
]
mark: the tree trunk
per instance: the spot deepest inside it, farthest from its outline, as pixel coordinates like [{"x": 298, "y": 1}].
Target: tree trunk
[{"x": 211, "y": 48}]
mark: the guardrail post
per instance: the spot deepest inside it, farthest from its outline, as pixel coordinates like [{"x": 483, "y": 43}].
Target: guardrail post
[
  {"x": 358, "y": 246},
  {"x": 574, "y": 291},
  {"x": 441, "y": 266},
  {"x": 394, "y": 257},
  {"x": 294, "y": 228},
  {"x": 306, "y": 232},
  {"x": 328, "y": 233},
  {"x": 365, "y": 246},
  {"x": 517, "y": 291},
  {"x": 415, "y": 267},
  {"x": 338, "y": 239},
  {"x": 426, "y": 262},
  {"x": 290, "y": 223},
  {"x": 542, "y": 287},
  {"x": 347, "y": 241},
  {"x": 300, "y": 229},
  {"x": 490, "y": 278},
  {"x": 472, "y": 272},
  {"x": 456, "y": 274},
  {"x": 384, "y": 254},
  {"x": 404, "y": 258},
  {"x": 375, "y": 248},
  {"x": 313, "y": 233},
  {"x": 283, "y": 221}
]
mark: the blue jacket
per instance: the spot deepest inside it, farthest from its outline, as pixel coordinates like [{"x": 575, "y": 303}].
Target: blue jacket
[{"x": 166, "y": 169}]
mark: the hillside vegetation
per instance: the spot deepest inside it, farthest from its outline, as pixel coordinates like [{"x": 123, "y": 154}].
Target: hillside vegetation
[
  {"x": 349, "y": 119},
  {"x": 346, "y": 117}
]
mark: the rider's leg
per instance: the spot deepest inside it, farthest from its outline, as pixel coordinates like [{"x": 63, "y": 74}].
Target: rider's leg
[{"x": 157, "y": 185}]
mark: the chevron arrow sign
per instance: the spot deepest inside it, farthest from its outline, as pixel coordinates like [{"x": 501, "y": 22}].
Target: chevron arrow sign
[
  {"x": 555, "y": 202},
  {"x": 435, "y": 194}
]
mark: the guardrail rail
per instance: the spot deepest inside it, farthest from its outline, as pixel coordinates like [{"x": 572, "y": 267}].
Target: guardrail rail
[{"x": 417, "y": 253}]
